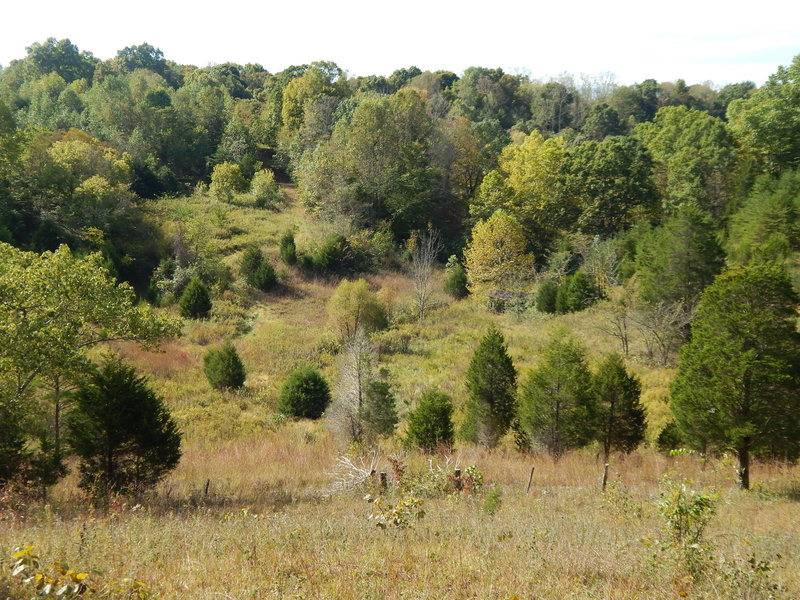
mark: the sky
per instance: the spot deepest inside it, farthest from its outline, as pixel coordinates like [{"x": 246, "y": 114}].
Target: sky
[{"x": 697, "y": 40}]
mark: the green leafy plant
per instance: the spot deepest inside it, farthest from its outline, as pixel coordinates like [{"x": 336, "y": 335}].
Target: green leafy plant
[
  {"x": 224, "y": 368},
  {"x": 305, "y": 394},
  {"x": 399, "y": 516},
  {"x": 195, "y": 302}
]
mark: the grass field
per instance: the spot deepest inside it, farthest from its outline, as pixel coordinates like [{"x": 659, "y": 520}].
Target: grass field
[{"x": 257, "y": 507}]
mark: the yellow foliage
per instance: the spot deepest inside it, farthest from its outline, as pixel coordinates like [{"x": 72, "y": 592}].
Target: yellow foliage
[{"x": 497, "y": 255}]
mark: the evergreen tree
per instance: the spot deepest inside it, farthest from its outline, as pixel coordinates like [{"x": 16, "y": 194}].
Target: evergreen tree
[
  {"x": 224, "y": 368},
  {"x": 304, "y": 394},
  {"x": 195, "y": 302},
  {"x": 738, "y": 382},
  {"x": 621, "y": 417},
  {"x": 121, "y": 431},
  {"x": 252, "y": 258},
  {"x": 455, "y": 281},
  {"x": 546, "y": 296},
  {"x": 287, "y": 248},
  {"x": 12, "y": 440},
  {"x": 557, "y": 409},
  {"x": 491, "y": 390},
  {"x": 378, "y": 413},
  {"x": 676, "y": 261},
  {"x": 430, "y": 424}
]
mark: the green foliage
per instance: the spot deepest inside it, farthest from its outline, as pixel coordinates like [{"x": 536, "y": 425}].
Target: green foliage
[
  {"x": 430, "y": 424},
  {"x": 621, "y": 416},
  {"x": 669, "y": 438},
  {"x": 354, "y": 307},
  {"x": 224, "y": 368},
  {"x": 265, "y": 190},
  {"x": 258, "y": 272},
  {"x": 557, "y": 409},
  {"x": 287, "y": 248},
  {"x": 676, "y": 261},
  {"x": 576, "y": 293},
  {"x": 195, "y": 302},
  {"x": 491, "y": 384},
  {"x": 12, "y": 440},
  {"x": 738, "y": 378},
  {"x": 226, "y": 181},
  {"x": 400, "y": 516},
  {"x": 333, "y": 255},
  {"x": 455, "y": 280},
  {"x": 121, "y": 431},
  {"x": 493, "y": 500},
  {"x": 686, "y": 514},
  {"x": 378, "y": 413},
  {"x": 767, "y": 124},
  {"x": 304, "y": 394},
  {"x": 767, "y": 226},
  {"x": 546, "y": 296}
]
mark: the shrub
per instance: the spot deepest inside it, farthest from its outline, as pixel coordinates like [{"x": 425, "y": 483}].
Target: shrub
[
  {"x": 195, "y": 302},
  {"x": 669, "y": 438},
  {"x": 265, "y": 190},
  {"x": 121, "y": 431},
  {"x": 431, "y": 424},
  {"x": 256, "y": 270},
  {"x": 378, "y": 413},
  {"x": 304, "y": 394},
  {"x": 226, "y": 180},
  {"x": 455, "y": 282},
  {"x": 546, "y": 296},
  {"x": 333, "y": 255},
  {"x": 224, "y": 368},
  {"x": 353, "y": 307},
  {"x": 287, "y": 248}
]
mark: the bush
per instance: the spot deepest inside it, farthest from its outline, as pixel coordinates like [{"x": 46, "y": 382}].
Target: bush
[
  {"x": 430, "y": 425},
  {"x": 265, "y": 191},
  {"x": 256, "y": 270},
  {"x": 224, "y": 368},
  {"x": 305, "y": 394},
  {"x": 226, "y": 181},
  {"x": 333, "y": 255},
  {"x": 121, "y": 431},
  {"x": 287, "y": 248},
  {"x": 546, "y": 296},
  {"x": 353, "y": 307},
  {"x": 455, "y": 282},
  {"x": 195, "y": 302},
  {"x": 378, "y": 413}
]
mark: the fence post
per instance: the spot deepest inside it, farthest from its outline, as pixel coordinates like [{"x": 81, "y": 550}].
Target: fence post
[
  {"x": 530, "y": 479},
  {"x": 459, "y": 484},
  {"x": 605, "y": 476},
  {"x": 383, "y": 480}
]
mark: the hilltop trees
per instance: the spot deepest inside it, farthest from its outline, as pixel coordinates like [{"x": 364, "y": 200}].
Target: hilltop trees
[{"x": 738, "y": 380}]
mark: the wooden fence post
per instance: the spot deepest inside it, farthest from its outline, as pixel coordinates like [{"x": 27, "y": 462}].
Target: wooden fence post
[
  {"x": 459, "y": 484},
  {"x": 605, "y": 476},
  {"x": 530, "y": 479}
]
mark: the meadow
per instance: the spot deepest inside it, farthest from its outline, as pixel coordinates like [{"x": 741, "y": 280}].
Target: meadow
[{"x": 262, "y": 507}]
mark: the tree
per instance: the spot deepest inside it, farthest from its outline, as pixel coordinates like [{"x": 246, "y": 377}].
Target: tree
[
  {"x": 265, "y": 190},
  {"x": 287, "y": 248},
  {"x": 491, "y": 390},
  {"x": 455, "y": 279},
  {"x": 693, "y": 155},
  {"x": 256, "y": 269},
  {"x": 738, "y": 383},
  {"x": 226, "y": 181},
  {"x": 121, "y": 431},
  {"x": 556, "y": 407},
  {"x": 304, "y": 394},
  {"x": 546, "y": 296},
  {"x": 767, "y": 124},
  {"x": 424, "y": 247},
  {"x": 195, "y": 302},
  {"x": 430, "y": 424},
  {"x": 53, "y": 308},
  {"x": 223, "y": 368},
  {"x": 496, "y": 255},
  {"x": 353, "y": 307},
  {"x": 621, "y": 417},
  {"x": 676, "y": 261}
]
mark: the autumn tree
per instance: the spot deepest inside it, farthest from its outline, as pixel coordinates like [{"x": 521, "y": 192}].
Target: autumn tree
[
  {"x": 491, "y": 390},
  {"x": 497, "y": 254},
  {"x": 738, "y": 380},
  {"x": 354, "y": 307}
]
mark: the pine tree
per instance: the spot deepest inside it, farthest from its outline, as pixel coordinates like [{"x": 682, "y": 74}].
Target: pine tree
[
  {"x": 378, "y": 413},
  {"x": 224, "y": 368},
  {"x": 121, "y": 431},
  {"x": 287, "y": 248},
  {"x": 738, "y": 383},
  {"x": 195, "y": 302},
  {"x": 556, "y": 407},
  {"x": 491, "y": 389},
  {"x": 621, "y": 417},
  {"x": 430, "y": 424}
]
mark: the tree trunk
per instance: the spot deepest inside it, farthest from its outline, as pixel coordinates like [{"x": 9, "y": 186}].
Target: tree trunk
[{"x": 744, "y": 464}]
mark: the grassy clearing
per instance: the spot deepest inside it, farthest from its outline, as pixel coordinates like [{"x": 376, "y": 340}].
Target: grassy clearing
[{"x": 252, "y": 511}]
